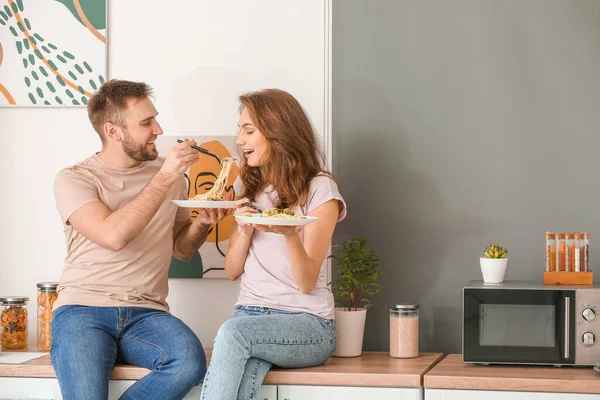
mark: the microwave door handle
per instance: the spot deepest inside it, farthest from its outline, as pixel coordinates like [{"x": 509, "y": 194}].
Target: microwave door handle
[{"x": 567, "y": 322}]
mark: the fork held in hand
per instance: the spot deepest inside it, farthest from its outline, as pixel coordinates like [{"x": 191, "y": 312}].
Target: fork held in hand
[
  {"x": 204, "y": 151},
  {"x": 200, "y": 149},
  {"x": 253, "y": 207}
]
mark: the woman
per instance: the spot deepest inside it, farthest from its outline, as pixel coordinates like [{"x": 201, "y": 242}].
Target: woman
[{"x": 284, "y": 313}]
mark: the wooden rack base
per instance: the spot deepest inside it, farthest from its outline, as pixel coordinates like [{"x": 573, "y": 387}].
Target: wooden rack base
[{"x": 568, "y": 278}]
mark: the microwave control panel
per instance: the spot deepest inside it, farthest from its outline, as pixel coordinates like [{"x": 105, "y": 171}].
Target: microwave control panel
[{"x": 587, "y": 326}]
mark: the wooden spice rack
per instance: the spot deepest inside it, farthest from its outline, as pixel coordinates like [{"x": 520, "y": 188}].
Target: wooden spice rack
[{"x": 568, "y": 278}]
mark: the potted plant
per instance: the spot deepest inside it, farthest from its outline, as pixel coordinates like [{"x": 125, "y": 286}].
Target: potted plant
[
  {"x": 493, "y": 263},
  {"x": 356, "y": 278}
]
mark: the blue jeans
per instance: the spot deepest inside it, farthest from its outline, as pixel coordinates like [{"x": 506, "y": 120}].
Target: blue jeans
[
  {"x": 88, "y": 341},
  {"x": 254, "y": 339}
]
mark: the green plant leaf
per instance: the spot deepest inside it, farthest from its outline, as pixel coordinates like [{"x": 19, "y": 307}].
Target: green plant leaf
[{"x": 356, "y": 274}]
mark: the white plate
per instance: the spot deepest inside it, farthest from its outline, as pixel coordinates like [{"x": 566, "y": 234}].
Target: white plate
[
  {"x": 597, "y": 368},
  {"x": 258, "y": 220},
  {"x": 204, "y": 204}
]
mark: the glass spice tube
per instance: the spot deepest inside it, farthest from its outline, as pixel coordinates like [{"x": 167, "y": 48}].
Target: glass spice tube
[
  {"x": 586, "y": 251},
  {"x": 582, "y": 253},
  {"x": 571, "y": 251},
  {"x": 557, "y": 259},
  {"x": 550, "y": 251},
  {"x": 578, "y": 247},
  {"x": 562, "y": 252}
]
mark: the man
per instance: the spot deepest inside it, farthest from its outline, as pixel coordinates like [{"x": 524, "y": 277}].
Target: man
[{"x": 122, "y": 229}]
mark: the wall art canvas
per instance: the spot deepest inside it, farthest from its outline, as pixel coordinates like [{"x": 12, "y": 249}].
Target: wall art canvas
[
  {"x": 52, "y": 52},
  {"x": 209, "y": 262}
]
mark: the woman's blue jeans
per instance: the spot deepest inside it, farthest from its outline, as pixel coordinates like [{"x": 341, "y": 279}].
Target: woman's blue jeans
[{"x": 254, "y": 339}]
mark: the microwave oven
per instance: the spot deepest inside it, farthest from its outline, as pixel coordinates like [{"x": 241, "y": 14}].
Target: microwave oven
[{"x": 531, "y": 323}]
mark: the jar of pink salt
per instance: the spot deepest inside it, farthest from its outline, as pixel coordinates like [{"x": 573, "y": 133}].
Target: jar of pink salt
[{"x": 404, "y": 330}]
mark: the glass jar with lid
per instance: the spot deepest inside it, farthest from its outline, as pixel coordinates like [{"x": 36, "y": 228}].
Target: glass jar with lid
[
  {"x": 45, "y": 301},
  {"x": 13, "y": 322},
  {"x": 404, "y": 330}
]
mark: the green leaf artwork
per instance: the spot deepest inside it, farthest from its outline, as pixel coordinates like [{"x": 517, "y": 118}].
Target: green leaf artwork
[
  {"x": 69, "y": 57},
  {"x": 189, "y": 269}
]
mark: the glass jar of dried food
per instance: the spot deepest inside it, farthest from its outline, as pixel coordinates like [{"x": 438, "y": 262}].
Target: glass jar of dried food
[
  {"x": 45, "y": 300},
  {"x": 13, "y": 322},
  {"x": 404, "y": 330}
]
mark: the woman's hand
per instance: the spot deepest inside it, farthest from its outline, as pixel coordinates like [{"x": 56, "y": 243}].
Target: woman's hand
[{"x": 246, "y": 229}]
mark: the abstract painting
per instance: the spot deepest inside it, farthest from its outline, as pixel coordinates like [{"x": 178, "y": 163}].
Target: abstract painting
[
  {"x": 201, "y": 176},
  {"x": 52, "y": 52}
]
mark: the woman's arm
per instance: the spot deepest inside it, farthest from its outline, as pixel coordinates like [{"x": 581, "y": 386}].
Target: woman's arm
[
  {"x": 306, "y": 259},
  {"x": 239, "y": 242}
]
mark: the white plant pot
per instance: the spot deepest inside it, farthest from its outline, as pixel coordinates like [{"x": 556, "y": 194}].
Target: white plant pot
[
  {"x": 493, "y": 269},
  {"x": 349, "y": 332}
]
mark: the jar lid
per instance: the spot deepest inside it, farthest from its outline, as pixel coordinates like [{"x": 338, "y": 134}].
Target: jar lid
[
  {"x": 13, "y": 300},
  {"x": 47, "y": 285},
  {"x": 404, "y": 306}
]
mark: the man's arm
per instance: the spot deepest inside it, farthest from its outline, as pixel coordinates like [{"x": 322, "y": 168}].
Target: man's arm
[
  {"x": 114, "y": 230},
  {"x": 189, "y": 237}
]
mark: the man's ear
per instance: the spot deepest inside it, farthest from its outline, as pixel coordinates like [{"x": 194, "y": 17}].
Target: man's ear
[{"x": 112, "y": 131}]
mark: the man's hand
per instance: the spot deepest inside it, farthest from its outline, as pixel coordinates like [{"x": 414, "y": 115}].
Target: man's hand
[
  {"x": 179, "y": 159},
  {"x": 211, "y": 216}
]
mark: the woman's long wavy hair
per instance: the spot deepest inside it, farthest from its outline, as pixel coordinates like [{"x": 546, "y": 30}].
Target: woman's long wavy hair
[{"x": 293, "y": 157}]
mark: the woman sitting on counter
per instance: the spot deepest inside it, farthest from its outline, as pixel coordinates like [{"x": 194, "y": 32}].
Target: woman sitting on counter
[{"x": 284, "y": 312}]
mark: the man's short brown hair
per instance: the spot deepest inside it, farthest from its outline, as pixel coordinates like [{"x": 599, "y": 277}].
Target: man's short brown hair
[{"x": 110, "y": 100}]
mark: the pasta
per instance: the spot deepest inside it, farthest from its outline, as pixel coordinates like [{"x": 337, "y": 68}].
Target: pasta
[
  {"x": 46, "y": 301},
  {"x": 14, "y": 328},
  {"x": 282, "y": 214},
  {"x": 216, "y": 192}
]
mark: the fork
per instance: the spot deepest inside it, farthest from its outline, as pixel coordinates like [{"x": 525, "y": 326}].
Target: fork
[
  {"x": 204, "y": 151},
  {"x": 200, "y": 149},
  {"x": 253, "y": 207}
]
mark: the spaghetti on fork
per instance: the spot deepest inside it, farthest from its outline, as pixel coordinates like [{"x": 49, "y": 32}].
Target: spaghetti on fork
[{"x": 216, "y": 192}]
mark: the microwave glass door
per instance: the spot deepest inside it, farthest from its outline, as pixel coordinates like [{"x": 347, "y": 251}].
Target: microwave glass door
[{"x": 519, "y": 326}]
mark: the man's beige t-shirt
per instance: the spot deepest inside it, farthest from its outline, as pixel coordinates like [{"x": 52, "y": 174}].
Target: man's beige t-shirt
[{"x": 135, "y": 276}]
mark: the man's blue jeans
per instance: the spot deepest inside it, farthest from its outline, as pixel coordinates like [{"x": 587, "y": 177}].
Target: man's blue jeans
[{"x": 88, "y": 341}]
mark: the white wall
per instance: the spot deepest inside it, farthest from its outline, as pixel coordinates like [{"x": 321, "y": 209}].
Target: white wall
[{"x": 199, "y": 56}]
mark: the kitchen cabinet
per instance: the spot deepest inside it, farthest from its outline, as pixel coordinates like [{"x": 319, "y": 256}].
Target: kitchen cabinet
[
  {"x": 374, "y": 375},
  {"x": 268, "y": 392},
  {"x": 29, "y": 388},
  {"x": 296, "y": 392},
  {"x": 451, "y": 394},
  {"x": 451, "y": 379},
  {"x": 48, "y": 388}
]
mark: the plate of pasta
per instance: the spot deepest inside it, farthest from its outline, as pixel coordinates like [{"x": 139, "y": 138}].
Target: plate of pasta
[
  {"x": 191, "y": 203},
  {"x": 214, "y": 197},
  {"x": 276, "y": 217}
]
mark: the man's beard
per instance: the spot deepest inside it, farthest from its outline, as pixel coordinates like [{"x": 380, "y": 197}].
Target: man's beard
[{"x": 137, "y": 151}]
